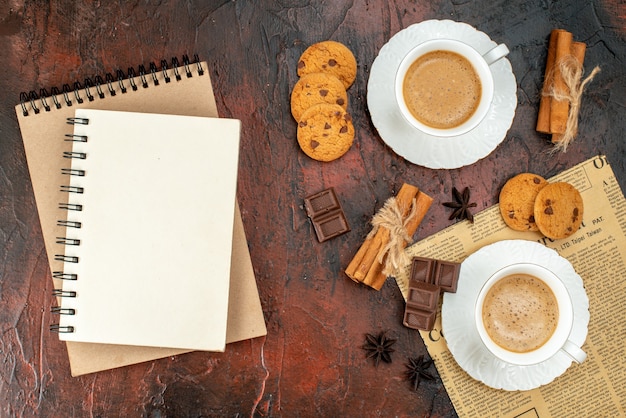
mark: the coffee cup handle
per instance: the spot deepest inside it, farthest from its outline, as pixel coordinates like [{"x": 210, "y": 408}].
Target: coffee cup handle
[
  {"x": 496, "y": 53},
  {"x": 575, "y": 352}
]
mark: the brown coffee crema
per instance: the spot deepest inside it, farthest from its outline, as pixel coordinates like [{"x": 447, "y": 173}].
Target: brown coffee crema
[
  {"x": 442, "y": 89},
  {"x": 520, "y": 313}
]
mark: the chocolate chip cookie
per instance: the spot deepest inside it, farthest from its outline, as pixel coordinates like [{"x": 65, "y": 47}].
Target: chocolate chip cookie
[
  {"x": 517, "y": 201},
  {"x": 315, "y": 88},
  {"x": 558, "y": 210},
  {"x": 325, "y": 132},
  {"x": 329, "y": 57}
]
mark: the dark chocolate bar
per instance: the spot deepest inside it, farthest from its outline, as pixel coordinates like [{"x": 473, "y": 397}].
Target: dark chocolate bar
[
  {"x": 439, "y": 272},
  {"x": 423, "y": 296},
  {"x": 427, "y": 279},
  {"x": 447, "y": 275},
  {"x": 418, "y": 319},
  {"x": 422, "y": 269},
  {"x": 321, "y": 203},
  {"x": 326, "y": 214},
  {"x": 330, "y": 226}
]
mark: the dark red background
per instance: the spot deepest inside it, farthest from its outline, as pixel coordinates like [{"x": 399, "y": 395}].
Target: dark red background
[{"x": 310, "y": 363}]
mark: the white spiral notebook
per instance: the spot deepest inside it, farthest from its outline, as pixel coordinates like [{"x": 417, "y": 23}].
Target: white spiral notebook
[{"x": 148, "y": 209}]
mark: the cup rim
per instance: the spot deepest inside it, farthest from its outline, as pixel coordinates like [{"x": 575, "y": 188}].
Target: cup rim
[
  {"x": 561, "y": 333},
  {"x": 483, "y": 70}
]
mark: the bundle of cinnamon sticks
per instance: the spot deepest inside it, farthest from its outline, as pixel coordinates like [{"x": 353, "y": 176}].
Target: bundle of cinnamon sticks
[
  {"x": 560, "y": 94},
  {"x": 368, "y": 264}
]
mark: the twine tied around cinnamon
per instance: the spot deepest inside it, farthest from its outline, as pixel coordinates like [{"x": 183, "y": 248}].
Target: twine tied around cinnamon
[
  {"x": 571, "y": 72},
  {"x": 390, "y": 217}
]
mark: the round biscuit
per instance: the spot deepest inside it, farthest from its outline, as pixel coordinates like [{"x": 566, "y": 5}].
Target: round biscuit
[
  {"x": 517, "y": 201},
  {"x": 329, "y": 57},
  {"x": 315, "y": 88},
  {"x": 558, "y": 210},
  {"x": 325, "y": 132}
]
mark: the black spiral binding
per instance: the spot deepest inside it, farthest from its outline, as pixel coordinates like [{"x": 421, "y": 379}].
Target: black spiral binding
[
  {"x": 68, "y": 224},
  {"x": 94, "y": 89}
]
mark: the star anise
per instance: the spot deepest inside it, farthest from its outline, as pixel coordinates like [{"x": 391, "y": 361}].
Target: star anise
[
  {"x": 378, "y": 347},
  {"x": 461, "y": 205},
  {"x": 417, "y": 368}
]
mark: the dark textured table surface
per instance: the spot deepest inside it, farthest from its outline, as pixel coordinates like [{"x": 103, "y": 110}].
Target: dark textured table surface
[{"x": 311, "y": 362}]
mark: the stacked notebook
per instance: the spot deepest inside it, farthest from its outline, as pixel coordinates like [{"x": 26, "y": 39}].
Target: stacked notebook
[{"x": 135, "y": 182}]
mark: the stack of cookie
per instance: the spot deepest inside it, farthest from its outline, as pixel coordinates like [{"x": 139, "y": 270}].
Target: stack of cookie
[
  {"x": 529, "y": 203},
  {"x": 319, "y": 100}
]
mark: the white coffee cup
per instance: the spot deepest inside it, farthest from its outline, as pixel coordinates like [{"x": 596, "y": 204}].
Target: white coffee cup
[
  {"x": 480, "y": 62},
  {"x": 558, "y": 341}
]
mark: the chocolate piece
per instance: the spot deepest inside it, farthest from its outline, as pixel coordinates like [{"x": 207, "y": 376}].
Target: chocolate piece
[
  {"x": 419, "y": 319},
  {"x": 428, "y": 278},
  {"x": 330, "y": 226},
  {"x": 447, "y": 275},
  {"x": 422, "y": 270},
  {"x": 442, "y": 273},
  {"x": 423, "y": 296},
  {"x": 321, "y": 203},
  {"x": 326, "y": 214}
]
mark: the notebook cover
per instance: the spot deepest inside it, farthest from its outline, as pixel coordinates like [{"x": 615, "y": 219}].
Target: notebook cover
[
  {"x": 190, "y": 96},
  {"x": 149, "y": 229}
]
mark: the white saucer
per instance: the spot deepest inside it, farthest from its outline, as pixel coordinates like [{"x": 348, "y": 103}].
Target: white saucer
[
  {"x": 458, "y": 312},
  {"x": 423, "y": 149}
]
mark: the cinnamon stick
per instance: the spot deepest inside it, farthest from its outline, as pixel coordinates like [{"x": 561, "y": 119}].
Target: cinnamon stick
[
  {"x": 357, "y": 270},
  {"x": 371, "y": 255},
  {"x": 372, "y": 277},
  {"x": 422, "y": 204},
  {"x": 543, "y": 118},
  {"x": 375, "y": 277},
  {"x": 357, "y": 260},
  {"x": 577, "y": 50},
  {"x": 559, "y": 109}
]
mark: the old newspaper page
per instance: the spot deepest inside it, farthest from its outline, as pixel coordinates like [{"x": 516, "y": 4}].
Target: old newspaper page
[{"x": 597, "y": 252}]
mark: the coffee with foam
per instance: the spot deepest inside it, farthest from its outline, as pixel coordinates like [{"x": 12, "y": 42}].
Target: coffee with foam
[
  {"x": 442, "y": 89},
  {"x": 520, "y": 313}
]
